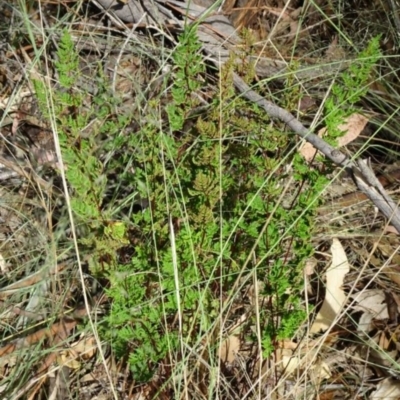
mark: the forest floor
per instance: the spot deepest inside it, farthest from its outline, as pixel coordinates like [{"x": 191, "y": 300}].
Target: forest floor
[{"x": 167, "y": 228}]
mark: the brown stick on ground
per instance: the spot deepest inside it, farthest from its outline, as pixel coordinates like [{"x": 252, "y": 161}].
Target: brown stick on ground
[
  {"x": 350, "y": 199},
  {"x": 359, "y": 170}
]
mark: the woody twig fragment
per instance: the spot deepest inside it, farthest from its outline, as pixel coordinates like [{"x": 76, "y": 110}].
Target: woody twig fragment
[{"x": 359, "y": 170}]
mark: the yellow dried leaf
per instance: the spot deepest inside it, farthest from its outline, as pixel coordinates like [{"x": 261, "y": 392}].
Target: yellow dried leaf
[
  {"x": 66, "y": 359},
  {"x": 335, "y": 296}
]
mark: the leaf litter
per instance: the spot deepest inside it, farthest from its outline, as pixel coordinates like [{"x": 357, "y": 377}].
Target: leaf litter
[{"x": 387, "y": 387}]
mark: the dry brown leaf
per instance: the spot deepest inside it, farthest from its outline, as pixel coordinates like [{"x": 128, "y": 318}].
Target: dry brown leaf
[
  {"x": 384, "y": 343},
  {"x": 293, "y": 364},
  {"x": 229, "y": 349},
  {"x": 309, "y": 268},
  {"x": 85, "y": 348},
  {"x": 335, "y": 296},
  {"x": 307, "y": 150},
  {"x": 387, "y": 389},
  {"x": 372, "y": 303},
  {"x": 390, "y": 229},
  {"x": 288, "y": 344},
  {"x": 353, "y": 126},
  {"x": 319, "y": 371},
  {"x": 66, "y": 359},
  {"x": 393, "y": 272},
  {"x": 290, "y": 363},
  {"x": 328, "y": 395},
  {"x": 81, "y": 350},
  {"x": 8, "y": 361},
  {"x": 388, "y": 245}
]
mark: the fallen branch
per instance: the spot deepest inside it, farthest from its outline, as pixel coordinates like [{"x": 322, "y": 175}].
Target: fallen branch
[{"x": 359, "y": 170}]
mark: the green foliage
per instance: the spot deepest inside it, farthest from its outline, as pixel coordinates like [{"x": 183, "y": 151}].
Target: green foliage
[
  {"x": 83, "y": 169},
  {"x": 67, "y": 65},
  {"x": 216, "y": 181},
  {"x": 350, "y": 87},
  {"x": 189, "y": 68}
]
